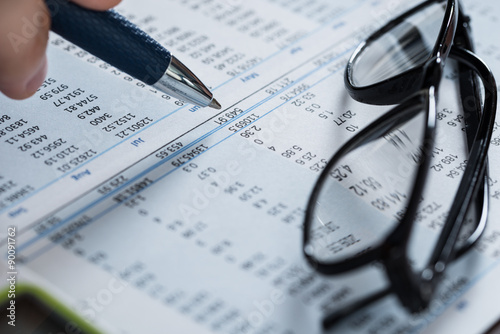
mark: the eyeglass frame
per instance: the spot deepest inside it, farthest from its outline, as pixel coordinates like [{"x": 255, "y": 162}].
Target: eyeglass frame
[{"x": 415, "y": 293}]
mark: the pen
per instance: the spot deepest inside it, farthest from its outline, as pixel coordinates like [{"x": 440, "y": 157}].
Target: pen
[{"x": 112, "y": 38}]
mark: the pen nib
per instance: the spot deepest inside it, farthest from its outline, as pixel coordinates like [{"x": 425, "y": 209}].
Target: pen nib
[{"x": 214, "y": 104}]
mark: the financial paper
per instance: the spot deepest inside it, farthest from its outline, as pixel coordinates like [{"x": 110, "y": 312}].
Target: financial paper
[{"x": 141, "y": 212}]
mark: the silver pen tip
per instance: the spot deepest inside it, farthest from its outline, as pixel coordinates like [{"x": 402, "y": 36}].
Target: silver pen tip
[{"x": 214, "y": 104}]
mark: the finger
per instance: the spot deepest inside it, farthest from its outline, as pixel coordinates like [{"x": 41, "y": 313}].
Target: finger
[
  {"x": 24, "y": 26},
  {"x": 97, "y": 4}
]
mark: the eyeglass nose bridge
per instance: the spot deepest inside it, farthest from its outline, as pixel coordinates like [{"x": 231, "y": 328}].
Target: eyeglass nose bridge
[{"x": 433, "y": 71}]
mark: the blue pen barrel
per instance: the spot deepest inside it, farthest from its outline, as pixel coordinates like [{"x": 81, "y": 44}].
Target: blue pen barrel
[{"x": 112, "y": 38}]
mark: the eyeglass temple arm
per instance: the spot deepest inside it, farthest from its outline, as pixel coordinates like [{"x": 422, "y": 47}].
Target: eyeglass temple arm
[
  {"x": 445, "y": 250},
  {"x": 471, "y": 106},
  {"x": 333, "y": 318},
  {"x": 482, "y": 205},
  {"x": 468, "y": 82}
]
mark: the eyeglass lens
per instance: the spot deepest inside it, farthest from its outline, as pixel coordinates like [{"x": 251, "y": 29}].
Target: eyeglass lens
[
  {"x": 366, "y": 192},
  {"x": 405, "y": 46}
]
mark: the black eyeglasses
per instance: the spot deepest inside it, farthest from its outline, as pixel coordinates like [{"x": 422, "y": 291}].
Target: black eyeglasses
[{"x": 367, "y": 202}]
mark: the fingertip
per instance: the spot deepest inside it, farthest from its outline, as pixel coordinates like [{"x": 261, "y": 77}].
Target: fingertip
[
  {"x": 25, "y": 88},
  {"x": 97, "y": 4},
  {"x": 14, "y": 92},
  {"x": 38, "y": 77},
  {"x": 24, "y": 32}
]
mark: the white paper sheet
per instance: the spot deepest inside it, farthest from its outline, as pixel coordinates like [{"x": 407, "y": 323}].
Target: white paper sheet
[{"x": 145, "y": 214}]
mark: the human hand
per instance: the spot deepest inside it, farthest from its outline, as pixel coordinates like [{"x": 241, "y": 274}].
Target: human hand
[{"x": 24, "y": 31}]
